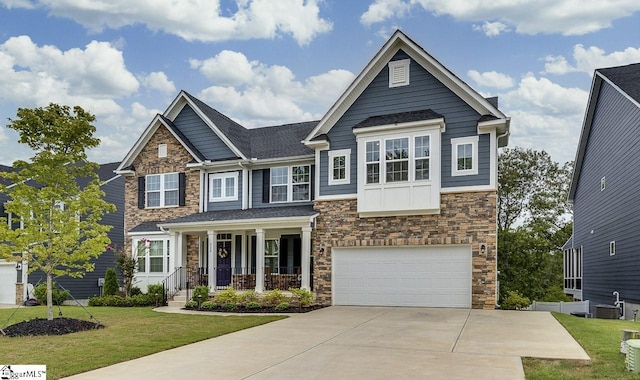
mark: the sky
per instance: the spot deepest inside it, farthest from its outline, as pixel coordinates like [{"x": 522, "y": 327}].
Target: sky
[{"x": 270, "y": 62}]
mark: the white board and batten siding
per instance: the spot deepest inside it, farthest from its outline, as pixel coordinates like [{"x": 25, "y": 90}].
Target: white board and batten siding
[{"x": 433, "y": 276}]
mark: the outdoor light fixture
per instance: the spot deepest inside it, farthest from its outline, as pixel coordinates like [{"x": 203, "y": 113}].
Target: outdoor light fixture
[
  {"x": 321, "y": 250},
  {"x": 482, "y": 249}
]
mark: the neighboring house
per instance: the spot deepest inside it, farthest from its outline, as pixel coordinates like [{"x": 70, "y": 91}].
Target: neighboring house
[
  {"x": 88, "y": 286},
  {"x": 11, "y": 278},
  {"x": 389, "y": 199},
  {"x": 602, "y": 255}
]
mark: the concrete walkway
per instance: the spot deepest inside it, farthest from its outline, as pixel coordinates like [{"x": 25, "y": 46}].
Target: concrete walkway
[{"x": 365, "y": 343}]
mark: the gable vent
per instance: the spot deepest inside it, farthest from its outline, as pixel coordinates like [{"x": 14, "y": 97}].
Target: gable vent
[{"x": 399, "y": 73}]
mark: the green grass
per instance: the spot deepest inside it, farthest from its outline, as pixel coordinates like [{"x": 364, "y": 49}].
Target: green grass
[
  {"x": 130, "y": 333},
  {"x": 600, "y": 338}
]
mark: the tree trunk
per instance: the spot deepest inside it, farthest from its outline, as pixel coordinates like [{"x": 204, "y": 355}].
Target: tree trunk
[{"x": 49, "y": 297}]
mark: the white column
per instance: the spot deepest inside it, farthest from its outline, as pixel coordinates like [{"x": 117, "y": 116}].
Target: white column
[
  {"x": 259, "y": 260},
  {"x": 306, "y": 258},
  {"x": 245, "y": 189},
  {"x": 211, "y": 253},
  {"x": 244, "y": 258}
]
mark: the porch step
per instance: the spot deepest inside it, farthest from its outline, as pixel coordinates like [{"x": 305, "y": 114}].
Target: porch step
[{"x": 179, "y": 299}]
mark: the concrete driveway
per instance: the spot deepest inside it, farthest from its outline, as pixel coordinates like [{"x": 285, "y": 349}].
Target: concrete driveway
[{"x": 342, "y": 342}]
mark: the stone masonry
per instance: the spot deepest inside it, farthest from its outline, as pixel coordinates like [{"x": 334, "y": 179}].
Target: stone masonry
[
  {"x": 147, "y": 162},
  {"x": 465, "y": 218}
]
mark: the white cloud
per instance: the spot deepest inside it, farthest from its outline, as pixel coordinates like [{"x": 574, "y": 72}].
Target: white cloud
[
  {"x": 17, "y": 4},
  {"x": 587, "y": 60},
  {"x": 545, "y": 115},
  {"x": 258, "y": 95},
  {"x": 158, "y": 81},
  {"x": 197, "y": 20},
  {"x": 568, "y": 17},
  {"x": 38, "y": 75},
  {"x": 492, "y": 29},
  {"x": 381, "y": 10},
  {"x": 491, "y": 79}
]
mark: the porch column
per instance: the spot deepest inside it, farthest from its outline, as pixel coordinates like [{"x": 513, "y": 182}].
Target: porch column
[
  {"x": 259, "y": 260},
  {"x": 306, "y": 258},
  {"x": 211, "y": 255},
  {"x": 175, "y": 251},
  {"x": 245, "y": 252}
]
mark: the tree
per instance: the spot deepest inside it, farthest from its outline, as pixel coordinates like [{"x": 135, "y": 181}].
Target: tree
[
  {"x": 533, "y": 222},
  {"x": 110, "y": 283},
  {"x": 61, "y": 220},
  {"x": 127, "y": 266}
]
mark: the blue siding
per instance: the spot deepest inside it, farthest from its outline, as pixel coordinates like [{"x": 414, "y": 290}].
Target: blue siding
[
  {"x": 256, "y": 190},
  {"x": 424, "y": 92},
  {"x": 229, "y": 205},
  {"x": 87, "y": 286},
  {"x": 613, "y": 214},
  {"x": 201, "y": 136}
]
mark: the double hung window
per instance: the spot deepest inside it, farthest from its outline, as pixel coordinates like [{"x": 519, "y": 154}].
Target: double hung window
[
  {"x": 291, "y": 183},
  {"x": 223, "y": 187},
  {"x": 162, "y": 190}
]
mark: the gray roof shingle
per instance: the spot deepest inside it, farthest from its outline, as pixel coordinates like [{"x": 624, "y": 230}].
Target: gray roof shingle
[
  {"x": 626, "y": 77},
  {"x": 395, "y": 118},
  {"x": 146, "y": 227},
  {"x": 253, "y": 213}
]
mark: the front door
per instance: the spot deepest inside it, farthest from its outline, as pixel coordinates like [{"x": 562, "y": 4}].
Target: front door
[{"x": 223, "y": 263}]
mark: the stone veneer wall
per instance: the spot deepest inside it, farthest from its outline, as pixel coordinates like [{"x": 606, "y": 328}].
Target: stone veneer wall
[
  {"x": 465, "y": 218},
  {"x": 19, "y": 293},
  {"x": 147, "y": 162}
]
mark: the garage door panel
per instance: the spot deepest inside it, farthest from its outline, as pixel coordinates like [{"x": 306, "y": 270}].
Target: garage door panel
[
  {"x": 411, "y": 276},
  {"x": 7, "y": 283}
]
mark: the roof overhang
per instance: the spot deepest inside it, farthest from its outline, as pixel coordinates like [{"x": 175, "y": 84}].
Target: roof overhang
[
  {"x": 241, "y": 224},
  {"x": 397, "y": 42},
  {"x": 500, "y": 126}
]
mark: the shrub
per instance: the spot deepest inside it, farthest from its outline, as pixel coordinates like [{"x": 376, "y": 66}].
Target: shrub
[
  {"x": 58, "y": 296},
  {"x": 156, "y": 293},
  {"x": 282, "y": 306},
  {"x": 96, "y": 301},
  {"x": 226, "y": 296},
  {"x": 201, "y": 290},
  {"x": 191, "y": 305},
  {"x": 252, "y": 305},
  {"x": 274, "y": 297},
  {"x": 303, "y": 296},
  {"x": 207, "y": 305},
  {"x": 229, "y": 306},
  {"x": 556, "y": 294},
  {"x": 135, "y": 291},
  {"x": 250, "y": 296},
  {"x": 110, "y": 283},
  {"x": 515, "y": 301}
]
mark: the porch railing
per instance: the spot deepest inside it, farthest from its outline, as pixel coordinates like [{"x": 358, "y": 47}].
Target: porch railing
[{"x": 172, "y": 284}]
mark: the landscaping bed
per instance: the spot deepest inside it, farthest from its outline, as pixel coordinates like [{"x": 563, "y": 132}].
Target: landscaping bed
[
  {"x": 56, "y": 326},
  {"x": 261, "y": 309}
]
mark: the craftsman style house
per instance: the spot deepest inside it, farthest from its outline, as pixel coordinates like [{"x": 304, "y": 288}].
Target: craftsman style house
[
  {"x": 389, "y": 199},
  {"x": 602, "y": 255}
]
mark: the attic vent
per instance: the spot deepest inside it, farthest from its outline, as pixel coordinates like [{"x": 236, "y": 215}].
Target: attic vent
[
  {"x": 162, "y": 150},
  {"x": 399, "y": 73}
]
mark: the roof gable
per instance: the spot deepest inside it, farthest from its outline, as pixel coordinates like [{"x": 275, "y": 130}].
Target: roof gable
[
  {"x": 399, "y": 41},
  {"x": 624, "y": 79}
]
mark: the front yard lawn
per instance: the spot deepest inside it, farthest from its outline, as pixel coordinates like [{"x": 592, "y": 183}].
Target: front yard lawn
[
  {"x": 130, "y": 333},
  {"x": 600, "y": 338}
]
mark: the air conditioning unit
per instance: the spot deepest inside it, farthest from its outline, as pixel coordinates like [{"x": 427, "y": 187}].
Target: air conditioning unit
[
  {"x": 626, "y": 335},
  {"x": 633, "y": 355}
]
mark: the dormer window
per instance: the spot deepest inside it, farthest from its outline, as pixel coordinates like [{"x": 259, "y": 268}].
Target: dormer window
[{"x": 399, "y": 73}]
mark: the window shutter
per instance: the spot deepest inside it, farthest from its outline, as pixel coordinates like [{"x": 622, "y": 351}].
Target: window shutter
[
  {"x": 141, "y": 190},
  {"x": 266, "y": 182},
  {"x": 182, "y": 189},
  {"x": 312, "y": 183}
]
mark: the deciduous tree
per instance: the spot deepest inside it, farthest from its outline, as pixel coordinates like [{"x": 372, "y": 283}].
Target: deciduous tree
[{"x": 60, "y": 216}]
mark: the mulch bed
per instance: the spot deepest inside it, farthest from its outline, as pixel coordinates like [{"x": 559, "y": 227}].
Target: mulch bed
[
  {"x": 56, "y": 326},
  {"x": 242, "y": 309}
]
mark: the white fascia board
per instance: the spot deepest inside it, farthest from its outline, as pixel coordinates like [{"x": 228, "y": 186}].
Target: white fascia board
[
  {"x": 294, "y": 160},
  {"x": 218, "y": 165},
  {"x": 397, "y": 41},
  {"x": 182, "y": 100},
  {"x": 467, "y": 189},
  {"x": 125, "y": 172},
  {"x": 317, "y": 144},
  {"x": 400, "y": 127},
  {"x": 147, "y": 233},
  {"x": 118, "y": 175},
  {"x": 242, "y": 224}
]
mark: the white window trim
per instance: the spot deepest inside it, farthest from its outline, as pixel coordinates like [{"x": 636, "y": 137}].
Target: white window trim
[
  {"x": 166, "y": 254},
  {"x": 473, "y": 140},
  {"x": 347, "y": 167},
  {"x": 289, "y": 185},
  {"x": 382, "y": 162},
  {"x": 162, "y": 191},
  {"x": 162, "y": 150},
  {"x": 225, "y": 197},
  {"x": 393, "y": 65}
]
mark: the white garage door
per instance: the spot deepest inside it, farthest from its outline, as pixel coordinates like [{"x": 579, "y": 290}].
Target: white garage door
[
  {"x": 402, "y": 276},
  {"x": 8, "y": 283}
]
